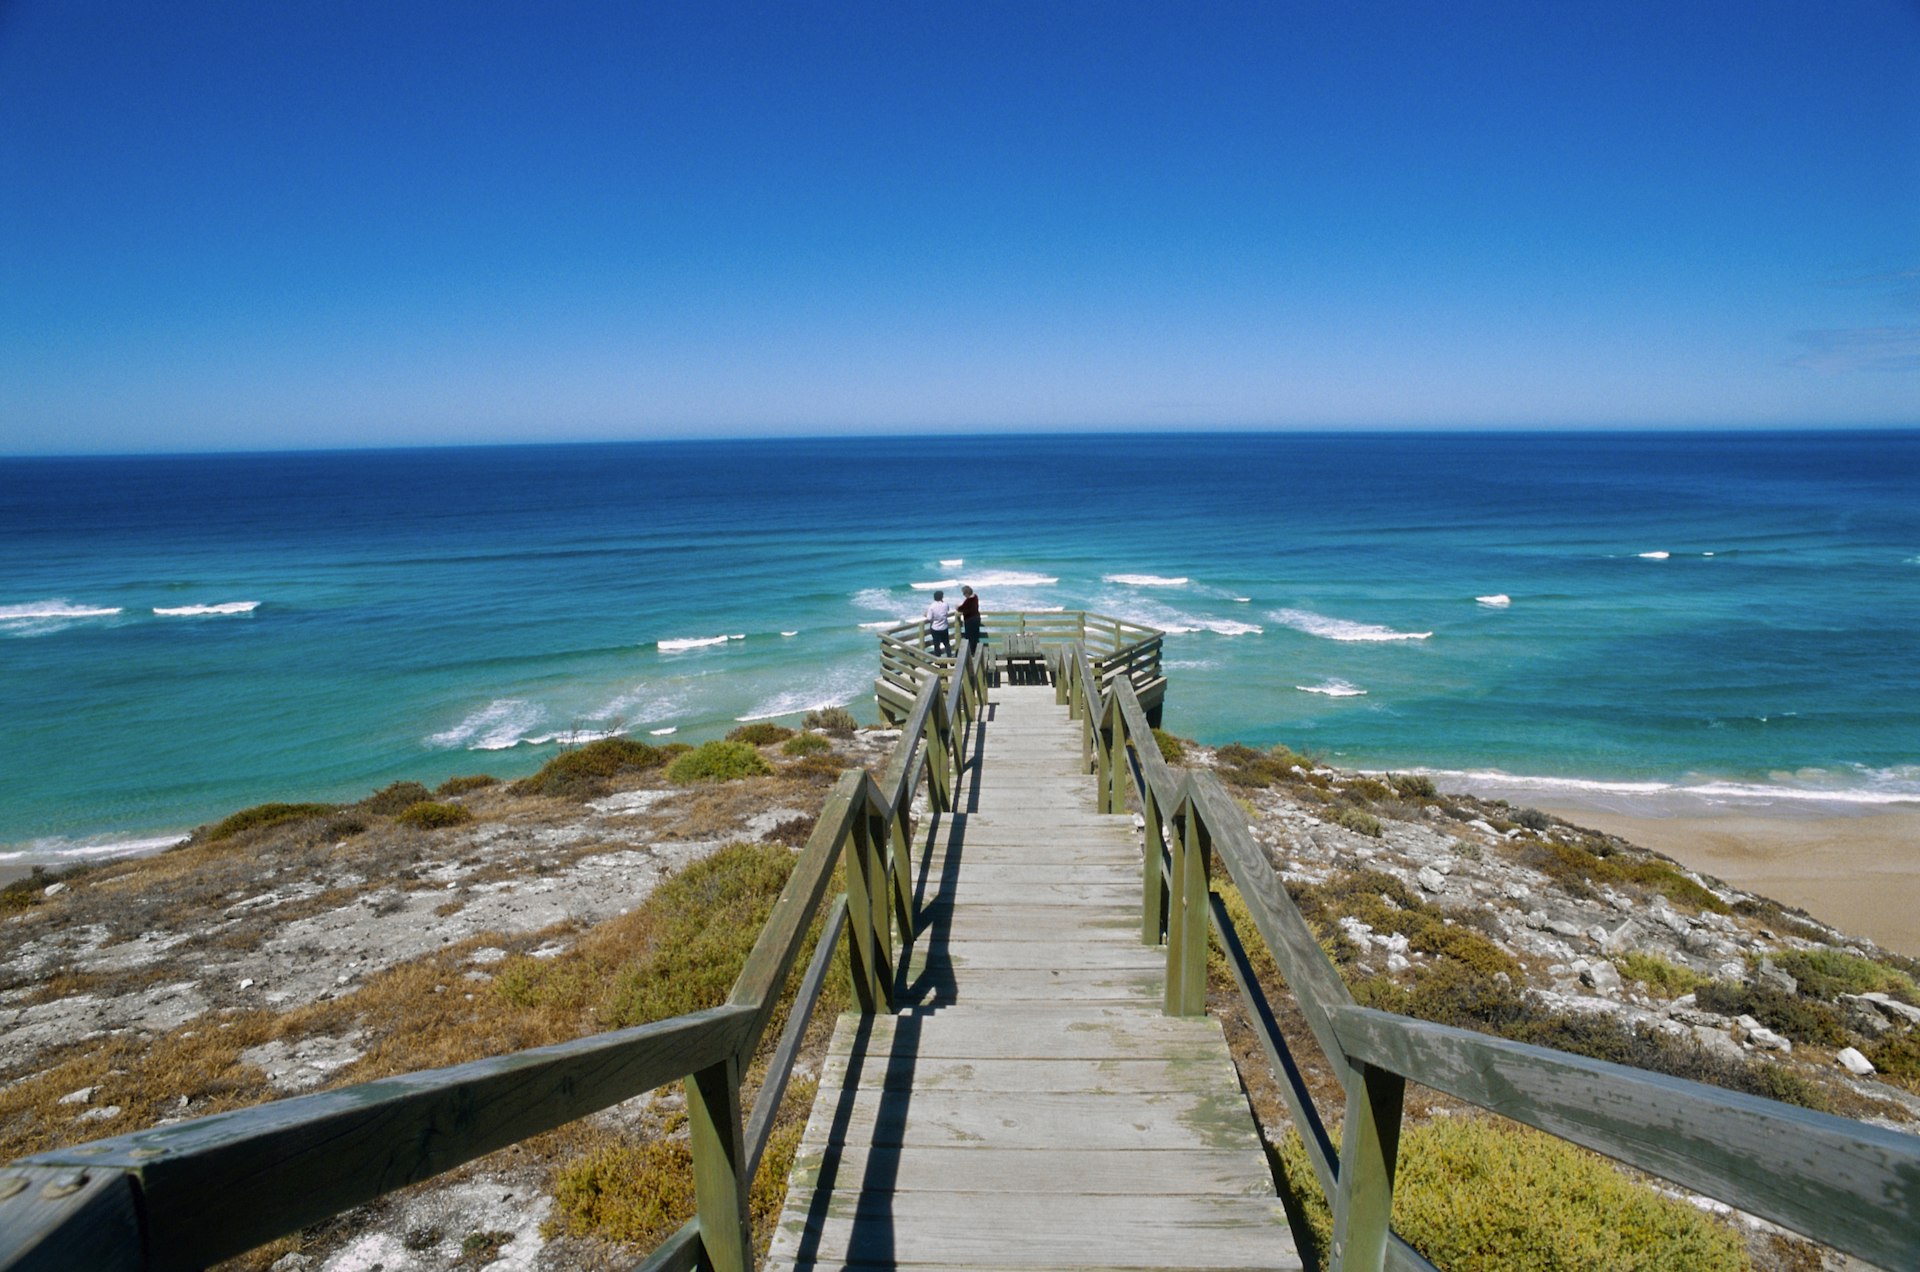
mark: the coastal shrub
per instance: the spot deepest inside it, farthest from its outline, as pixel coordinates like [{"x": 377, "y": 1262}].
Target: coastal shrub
[
  {"x": 1795, "y": 922},
  {"x": 461, "y": 785},
  {"x": 1828, "y": 973},
  {"x": 1897, "y": 1057},
  {"x": 427, "y": 815},
  {"x": 760, "y": 733},
  {"x": 1578, "y": 866},
  {"x": 717, "y": 762},
  {"x": 589, "y": 770},
  {"x": 1172, "y": 749},
  {"x": 261, "y": 816},
  {"x": 1473, "y": 1193},
  {"x": 1669, "y": 980},
  {"x": 1801, "y": 1019},
  {"x": 1414, "y": 785},
  {"x": 391, "y": 801},
  {"x": 27, "y": 890},
  {"x": 1358, "y": 821},
  {"x": 344, "y": 826},
  {"x": 805, "y": 744},
  {"x": 1387, "y": 905},
  {"x": 705, "y": 919},
  {"x": 1532, "y": 819},
  {"x": 836, "y": 720},
  {"x": 817, "y": 766},
  {"x": 1366, "y": 789}
]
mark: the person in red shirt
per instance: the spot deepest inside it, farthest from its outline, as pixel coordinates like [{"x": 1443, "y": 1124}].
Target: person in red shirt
[{"x": 969, "y": 615}]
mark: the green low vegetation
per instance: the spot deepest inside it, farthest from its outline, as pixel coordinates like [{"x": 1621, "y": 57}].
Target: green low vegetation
[
  {"x": 1474, "y": 1194},
  {"x": 428, "y": 815},
  {"x": 1387, "y": 905},
  {"x": 391, "y": 801},
  {"x": 1897, "y": 1057},
  {"x": 588, "y": 771},
  {"x": 805, "y": 744},
  {"x": 1356, "y": 820},
  {"x": 1801, "y": 1019},
  {"x": 760, "y": 733},
  {"x": 1172, "y": 749},
  {"x": 1240, "y": 765},
  {"x": 462, "y": 785},
  {"x": 261, "y": 816},
  {"x": 1413, "y": 786},
  {"x": 682, "y": 949},
  {"x": 1595, "y": 860},
  {"x": 1827, "y": 973},
  {"x": 1669, "y": 980},
  {"x": 837, "y": 720},
  {"x": 718, "y": 762}
]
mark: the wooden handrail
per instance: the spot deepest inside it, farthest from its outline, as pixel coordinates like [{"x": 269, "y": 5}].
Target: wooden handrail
[
  {"x": 196, "y": 1192},
  {"x": 1844, "y": 1183}
]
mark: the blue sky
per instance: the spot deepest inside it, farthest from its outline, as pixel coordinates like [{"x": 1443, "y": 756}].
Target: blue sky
[{"x": 245, "y": 225}]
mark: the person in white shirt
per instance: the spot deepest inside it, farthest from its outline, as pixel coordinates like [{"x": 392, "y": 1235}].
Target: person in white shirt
[{"x": 937, "y": 623}]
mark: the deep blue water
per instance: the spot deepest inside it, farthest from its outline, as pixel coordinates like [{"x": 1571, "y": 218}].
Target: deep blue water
[{"x": 422, "y": 613}]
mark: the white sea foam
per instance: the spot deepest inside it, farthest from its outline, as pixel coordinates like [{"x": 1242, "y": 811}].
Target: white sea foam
[
  {"x": 1862, "y": 788},
  {"x": 661, "y": 733},
  {"x": 1334, "y": 688},
  {"x": 497, "y": 726},
  {"x": 56, "y": 850},
  {"x": 195, "y": 611},
  {"x": 877, "y": 598},
  {"x": 883, "y": 623},
  {"x": 1145, "y": 580},
  {"x": 37, "y": 618},
  {"x": 1243, "y": 600},
  {"x": 789, "y": 633},
  {"x": 834, "y": 688},
  {"x": 695, "y": 642},
  {"x": 1228, "y": 627},
  {"x": 1339, "y": 628},
  {"x": 986, "y": 579},
  {"x": 1499, "y": 600},
  {"x": 953, "y": 564},
  {"x": 1655, "y": 556},
  {"x": 567, "y": 737}
]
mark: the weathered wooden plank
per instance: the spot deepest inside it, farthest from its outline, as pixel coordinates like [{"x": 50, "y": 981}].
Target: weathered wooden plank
[
  {"x": 1109, "y": 1076},
  {"x": 1067, "y": 955},
  {"x": 1215, "y": 1117},
  {"x": 1013, "y": 1032},
  {"x": 1060, "y": 1172},
  {"x": 1853, "y": 1186},
  {"x": 1025, "y": 1230},
  {"x": 57, "y": 1218}
]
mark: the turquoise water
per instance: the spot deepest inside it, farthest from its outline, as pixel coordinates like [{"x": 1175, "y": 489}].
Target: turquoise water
[{"x": 1733, "y": 615}]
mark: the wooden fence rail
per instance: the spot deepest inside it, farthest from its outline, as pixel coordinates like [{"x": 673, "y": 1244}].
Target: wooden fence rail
[
  {"x": 1844, "y": 1183},
  {"x": 193, "y": 1193}
]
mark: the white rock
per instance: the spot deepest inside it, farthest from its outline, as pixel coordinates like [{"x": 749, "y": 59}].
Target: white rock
[
  {"x": 100, "y": 1114},
  {"x": 1602, "y": 976},
  {"x": 1854, "y": 1062},
  {"x": 1732, "y": 971},
  {"x": 83, "y": 1096},
  {"x": 1431, "y": 880},
  {"x": 1397, "y": 963},
  {"x": 1894, "y": 1007},
  {"x": 53, "y": 889},
  {"x": 1513, "y": 890},
  {"x": 246, "y": 982},
  {"x": 1394, "y": 942},
  {"x": 1759, "y": 1035}
]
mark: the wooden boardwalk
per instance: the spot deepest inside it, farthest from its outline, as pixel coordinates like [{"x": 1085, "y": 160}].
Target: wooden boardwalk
[{"x": 1030, "y": 1106}]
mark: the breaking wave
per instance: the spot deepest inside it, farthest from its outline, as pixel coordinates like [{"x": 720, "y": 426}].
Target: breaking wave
[
  {"x": 1145, "y": 580},
  {"x": 1339, "y": 628},
  {"x": 195, "y": 611},
  {"x": 1335, "y": 688},
  {"x": 499, "y": 725},
  {"x": 695, "y": 642},
  {"x": 1499, "y": 600}
]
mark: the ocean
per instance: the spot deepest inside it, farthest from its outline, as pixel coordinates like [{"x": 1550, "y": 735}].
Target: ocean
[{"x": 1722, "y": 617}]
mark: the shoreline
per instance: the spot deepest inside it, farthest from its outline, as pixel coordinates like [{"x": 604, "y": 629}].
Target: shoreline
[{"x": 1856, "y": 871}]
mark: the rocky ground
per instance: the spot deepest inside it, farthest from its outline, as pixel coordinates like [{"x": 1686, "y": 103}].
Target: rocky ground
[{"x": 223, "y": 973}]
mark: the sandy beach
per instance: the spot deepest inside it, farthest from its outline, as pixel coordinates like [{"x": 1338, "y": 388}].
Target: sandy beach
[{"x": 1859, "y": 872}]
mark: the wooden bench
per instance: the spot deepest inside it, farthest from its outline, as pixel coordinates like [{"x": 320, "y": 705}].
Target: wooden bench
[{"x": 1023, "y": 661}]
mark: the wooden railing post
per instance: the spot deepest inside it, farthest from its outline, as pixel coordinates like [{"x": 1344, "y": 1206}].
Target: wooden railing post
[
  {"x": 1186, "y": 992},
  {"x": 872, "y": 828},
  {"x": 866, "y": 893},
  {"x": 939, "y": 758},
  {"x": 720, "y": 1181},
  {"x": 1153, "y": 885},
  {"x": 1113, "y": 793},
  {"x": 1369, "y": 1145}
]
